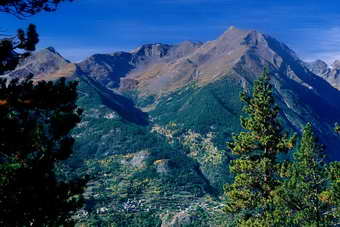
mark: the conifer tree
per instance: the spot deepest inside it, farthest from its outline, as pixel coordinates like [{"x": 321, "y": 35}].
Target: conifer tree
[
  {"x": 35, "y": 122},
  {"x": 310, "y": 195},
  {"x": 332, "y": 194},
  {"x": 17, "y": 47},
  {"x": 251, "y": 197},
  {"x": 24, "y": 42},
  {"x": 25, "y": 8}
]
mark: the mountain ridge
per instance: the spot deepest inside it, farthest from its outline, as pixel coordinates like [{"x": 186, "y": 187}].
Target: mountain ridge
[
  {"x": 153, "y": 71},
  {"x": 156, "y": 121},
  {"x": 330, "y": 73}
]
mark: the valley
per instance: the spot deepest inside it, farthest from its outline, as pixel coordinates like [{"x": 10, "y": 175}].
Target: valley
[{"x": 156, "y": 121}]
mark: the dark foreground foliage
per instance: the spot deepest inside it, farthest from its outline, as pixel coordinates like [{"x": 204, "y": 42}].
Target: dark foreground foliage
[
  {"x": 25, "y": 8},
  {"x": 269, "y": 188},
  {"x": 35, "y": 121}
]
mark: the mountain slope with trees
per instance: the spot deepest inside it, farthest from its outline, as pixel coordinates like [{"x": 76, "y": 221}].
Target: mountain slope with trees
[
  {"x": 36, "y": 120},
  {"x": 156, "y": 121}
]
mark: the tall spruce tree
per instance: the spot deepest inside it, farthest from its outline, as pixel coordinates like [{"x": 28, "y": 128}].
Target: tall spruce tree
[
  {"x": 251, "y": 197},
  {"x": 310, "y": 194}
]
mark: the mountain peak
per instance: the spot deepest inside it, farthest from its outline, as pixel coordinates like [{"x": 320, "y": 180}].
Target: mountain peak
[
  {"x": 318, "y": 67},
  {"x": 44, "y": 64},
  {"x": 51, "y": 49},
  {"x": 233, "y": 32},
  {"x": 232, "y": 27},
  {"x": 152, "y": 50},
  {"x": 319, "y": 61},
  {"x": 336, "y": 64}
]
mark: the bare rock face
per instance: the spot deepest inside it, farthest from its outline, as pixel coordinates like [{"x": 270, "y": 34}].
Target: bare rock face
[
  {"x": 157, "y": 50},
  {"x": 183, "y": 49},
  {"x": 158, "y": 70},
  {"x": 139, "y": 159},
  {"x": 107, "y": 68},
  {"x": 45, "y": 64},
  {"x": 180, "y": 219},
  {"x": 318, "y": 67},
  {"x": 127, "y": 84},
  {"x": 333, "y": 77},
  {"x": 163, "y": 166},
  {"x": 118, "y": 70},
  {"x": 336, "y": 64},
  {"x": 330, "y": 74}
]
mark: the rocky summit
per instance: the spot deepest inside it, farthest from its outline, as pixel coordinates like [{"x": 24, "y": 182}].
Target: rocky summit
[
  {"x": 330, "y": 73},
  {"x": 46, "y": 64},
  {"x": 157, "y": 118},
  {"x": 153, "y": 72}
]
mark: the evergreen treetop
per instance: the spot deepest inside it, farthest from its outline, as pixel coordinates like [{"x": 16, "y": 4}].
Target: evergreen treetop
[
  {"x": 309, "y": 193},
  {"x": 250, "y": 198},
  {"x": 25, "y": 8}
]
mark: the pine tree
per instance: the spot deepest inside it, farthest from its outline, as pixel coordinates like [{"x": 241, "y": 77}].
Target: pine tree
[
  {"x": 35, "y": 122},
  {"x": 15, "y": 48},
  {"x": 309, "y": 193},
  {"x": 25, "y": 8},
  {"x": 25, "y": 42},
  {"x": 251, "y": 197},
  {"x": 332, "y": 194}
]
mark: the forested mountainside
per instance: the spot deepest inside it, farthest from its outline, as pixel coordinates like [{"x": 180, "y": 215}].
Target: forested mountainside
[{"x": 157, "y": 119}]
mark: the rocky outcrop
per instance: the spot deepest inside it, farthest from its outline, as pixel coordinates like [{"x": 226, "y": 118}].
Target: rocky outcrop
[
  {"x": 46, "y": 63},
  {"x": 319, "y": 67},
  {"x": 117, "y": 70},
  {"x": 139, "y": 159},
  {"x": 329, "y": 73},
  {"x": 180, "y": 219},
  {"x": 163, "y": 166},
  {"x": 107, "y": 68}
]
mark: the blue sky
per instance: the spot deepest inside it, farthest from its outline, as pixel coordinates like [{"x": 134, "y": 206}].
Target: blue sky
[{"x": 84, "y": 27}]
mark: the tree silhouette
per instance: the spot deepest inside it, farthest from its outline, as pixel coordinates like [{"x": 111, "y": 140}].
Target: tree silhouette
[
  {"x": 35, "y": 124},
  {"x": 17, "y": 47},
  {"x": 25, "y": 8},
  {"x": 24, "y": 41}
]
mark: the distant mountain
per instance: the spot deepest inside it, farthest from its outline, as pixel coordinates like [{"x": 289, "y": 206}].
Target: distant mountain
[
  {"x": 156, "y": 72},
  {"x": 329, "y": 73},
  {"x": 110, "y": 68},
  {"x": 157, "y": 119},
  {"x": 46, "y": 64}
]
